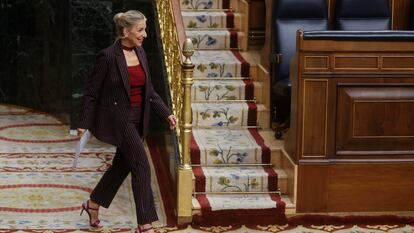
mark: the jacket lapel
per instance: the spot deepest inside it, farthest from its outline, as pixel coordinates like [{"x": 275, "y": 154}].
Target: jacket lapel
[{"x": 122, "y": 67}]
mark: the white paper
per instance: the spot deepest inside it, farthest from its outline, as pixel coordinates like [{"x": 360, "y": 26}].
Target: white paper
[{"x": 79, "y": 147}]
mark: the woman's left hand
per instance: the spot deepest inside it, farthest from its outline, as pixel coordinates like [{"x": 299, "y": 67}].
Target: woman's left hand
[{"x": 172, "y": 120}]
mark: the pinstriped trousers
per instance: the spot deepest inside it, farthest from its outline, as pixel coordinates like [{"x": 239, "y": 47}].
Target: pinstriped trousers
[{"x": 130, "y": 157}]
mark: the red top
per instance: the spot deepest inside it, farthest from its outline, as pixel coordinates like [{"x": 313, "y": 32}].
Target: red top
[{"x": 137, "y": 82}]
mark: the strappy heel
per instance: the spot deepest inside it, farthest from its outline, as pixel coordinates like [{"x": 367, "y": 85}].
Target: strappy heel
[
  {"x": 138, "y": 230},
  {"x": 86, "y": 207}
]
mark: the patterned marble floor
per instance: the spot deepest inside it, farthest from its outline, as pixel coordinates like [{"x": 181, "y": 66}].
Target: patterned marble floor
[{"x": 41, "y": 192}]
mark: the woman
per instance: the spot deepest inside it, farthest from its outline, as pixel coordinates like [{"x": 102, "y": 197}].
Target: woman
[{"x": 116, "y": 107}]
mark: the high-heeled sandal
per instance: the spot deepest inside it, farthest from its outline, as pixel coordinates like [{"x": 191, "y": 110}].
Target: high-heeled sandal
[
  {"x": 86, "y": 207},
  {"x": 138, "y": 230}
]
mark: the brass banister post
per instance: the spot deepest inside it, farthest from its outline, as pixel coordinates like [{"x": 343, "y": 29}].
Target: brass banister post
[
  {"x": 186, "y": 82},
  {"x": 180, "y": 76},
  {"x": 185, "y": 186}
]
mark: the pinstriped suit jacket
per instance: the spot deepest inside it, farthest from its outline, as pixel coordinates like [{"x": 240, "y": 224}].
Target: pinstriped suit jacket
[{"x": 106, "y": 102}]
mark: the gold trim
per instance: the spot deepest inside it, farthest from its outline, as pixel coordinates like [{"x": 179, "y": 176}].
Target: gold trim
[{"x": 180, "y": 77}]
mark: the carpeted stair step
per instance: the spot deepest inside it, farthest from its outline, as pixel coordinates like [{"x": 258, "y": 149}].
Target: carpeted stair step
[
  {"x": 227, "y": 114},
  {"x": 219, "y": 209},
  {"x": 204, "y": 90},
  {"x": 210, "y": 19},
  {"x": 215, "y": 39},
  {"x": 205, "y": 4},
  {"x": 235, "y": 179},
  {"x": 228, "y": 146},
  {"x": 215, "y": 64}
]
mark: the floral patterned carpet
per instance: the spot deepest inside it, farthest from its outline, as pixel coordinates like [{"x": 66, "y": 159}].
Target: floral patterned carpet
[
  {"x": 39, "y": 189},
  {"x": 227, "y": 151},
  {"x": 41, "y": 192}
]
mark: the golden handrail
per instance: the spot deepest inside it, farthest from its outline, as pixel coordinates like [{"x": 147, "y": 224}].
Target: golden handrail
[{"x": 180, "y": 77}]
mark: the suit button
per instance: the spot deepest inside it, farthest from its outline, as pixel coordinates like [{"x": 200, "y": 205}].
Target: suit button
[{"x": 115, "y": 103}]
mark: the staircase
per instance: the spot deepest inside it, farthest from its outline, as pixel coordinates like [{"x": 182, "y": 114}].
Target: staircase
[{"x": 234, "y": 179}]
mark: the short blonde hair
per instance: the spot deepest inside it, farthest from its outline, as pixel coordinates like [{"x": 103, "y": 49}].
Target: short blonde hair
[{"x": 127, "y": 20}]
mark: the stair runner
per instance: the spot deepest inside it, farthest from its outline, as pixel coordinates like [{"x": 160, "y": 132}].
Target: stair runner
[{"x": 234, "y": 180}]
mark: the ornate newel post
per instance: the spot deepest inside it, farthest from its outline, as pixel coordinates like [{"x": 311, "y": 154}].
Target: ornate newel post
[{"x": 185, "y": 173}]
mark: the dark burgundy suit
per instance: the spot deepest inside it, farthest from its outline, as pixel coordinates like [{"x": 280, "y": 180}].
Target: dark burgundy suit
[
  {"x": 106, "y": 101},
  {"x": 107, "y": 114}
]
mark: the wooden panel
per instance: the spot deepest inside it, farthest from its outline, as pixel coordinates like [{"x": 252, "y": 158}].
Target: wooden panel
[
  {"x": 370, "y": 187},
  {"x": 398, "y": 62},
  {"x": 314, "y": 118},
  {"x": 289, "y": 167},
  {"x": 375, "y": 120},
  {"x": 264, "y": 56},
  {"x": 257, "y": 18},
  {"x": 352, "y": 126},
  {"x": 366, "y": 62},
  {"x": 316, "y": 62},
  {"x": 401, "y": 14},
  {"x": 366, "y": 187},
  {"x": 384, "y": 118},
  {"x": 312, "y": 185}
]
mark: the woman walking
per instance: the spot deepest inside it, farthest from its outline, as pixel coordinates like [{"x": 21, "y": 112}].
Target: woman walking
[{"x": 116, "y": 107}]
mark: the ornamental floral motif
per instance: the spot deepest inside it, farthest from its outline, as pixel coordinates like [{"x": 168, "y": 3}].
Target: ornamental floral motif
[
  {"x": 328, "y": 227},
  {"x": 250, "y": 184},
  {"x": 225, "y": 158},
  {"x": 202, "y": 19},
  {"x": 220, "y": 68},
  {"x": 208, "y": 90},
  {"x": 209, "y": 40},
  {"x": 217, "y": 229},
  {"x": 382, "y": 227},
  {"x": 219, "y": 113},
  {"x": 273, "y": 228},
  {"x": 198, "y": 4}
]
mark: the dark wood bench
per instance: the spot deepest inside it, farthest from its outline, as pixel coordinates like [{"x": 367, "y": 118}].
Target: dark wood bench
[{"x": 352, "y": 121}]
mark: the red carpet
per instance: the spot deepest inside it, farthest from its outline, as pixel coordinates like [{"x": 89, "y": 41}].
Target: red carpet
[{"x": 318, "y": 219}]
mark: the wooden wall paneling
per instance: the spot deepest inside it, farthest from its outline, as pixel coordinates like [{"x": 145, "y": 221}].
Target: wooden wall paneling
[
  {"x": 331, "y": 14},
  {"x": 331, "y": 121},
  {"x": 257, "y": 20},
  {"x": 368, "y": 155},
  {"x": 356, "y": 62},
  {"x": 401, "y": 14},
  {"x": 312, "y": 193},
  {"x": 316, "y": 62},
  {"x": 370, "y": 187},
  {"x": 397, "y": 62},
  {"x": 375, "y": 120},
  {"x": 264, "y": 60},
  {"x": 290, "y": 169},
  {"x": 315, "y": 100},
  {"x": 291, "y": 137}
]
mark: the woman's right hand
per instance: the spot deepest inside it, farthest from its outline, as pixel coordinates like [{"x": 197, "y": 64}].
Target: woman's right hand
[{"x": 80, "y": 131}]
